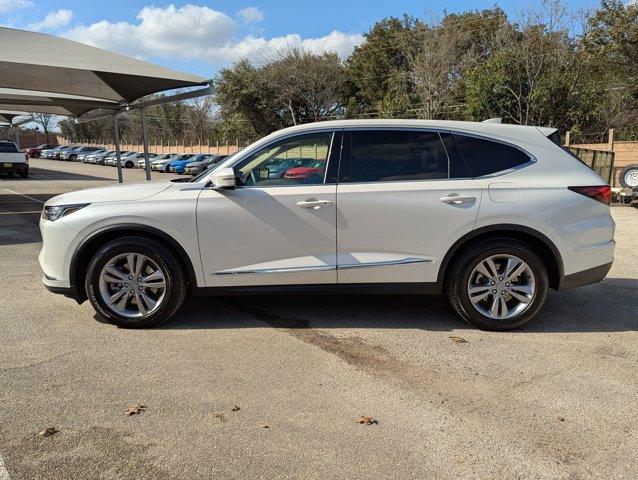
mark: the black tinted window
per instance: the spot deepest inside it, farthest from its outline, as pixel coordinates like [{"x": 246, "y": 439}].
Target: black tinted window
[
  {"x": 8, "y": 147},
  {"x": 385, "y": 156},
  {"x": 484, "y": 156}
]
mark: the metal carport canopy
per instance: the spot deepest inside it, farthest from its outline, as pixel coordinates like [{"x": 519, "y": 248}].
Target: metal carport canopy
[
  {"x": 46, "y": 102},
  {"x": 42, "y": 68},
  {"x": 45, "y": 63}
]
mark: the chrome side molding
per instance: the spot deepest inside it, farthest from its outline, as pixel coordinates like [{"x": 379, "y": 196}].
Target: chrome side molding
[{"x": 325, "y": 268}]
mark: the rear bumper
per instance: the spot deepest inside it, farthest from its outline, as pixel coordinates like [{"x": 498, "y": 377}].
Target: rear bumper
[
  {"x": 586, "y": 277},
  {"x": 14, "y": 168}
]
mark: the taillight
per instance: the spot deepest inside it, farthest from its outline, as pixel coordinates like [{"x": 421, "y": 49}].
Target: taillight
[{"x": 600, "y": 193}]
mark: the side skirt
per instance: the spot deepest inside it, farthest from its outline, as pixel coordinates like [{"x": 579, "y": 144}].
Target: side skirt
[{"x": 433, "y": 288}]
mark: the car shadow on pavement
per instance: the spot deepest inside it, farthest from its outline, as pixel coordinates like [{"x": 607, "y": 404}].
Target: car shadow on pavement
[
  {"x": 609, "y": 306},
  {"x": 40, "y": 174}
]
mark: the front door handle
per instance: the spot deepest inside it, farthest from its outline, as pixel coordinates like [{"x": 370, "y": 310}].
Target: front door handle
[
  {"x": 454, "y": 199},
  {"x": 313, "y": 203}
]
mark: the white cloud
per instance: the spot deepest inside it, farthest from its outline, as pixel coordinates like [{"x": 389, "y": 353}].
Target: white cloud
[
  {"x": 198, "y": 33},
  {"x": 7, "y": 6},
  {"x": 54, "y": 19},
  {"x": 250, "y": 15}
]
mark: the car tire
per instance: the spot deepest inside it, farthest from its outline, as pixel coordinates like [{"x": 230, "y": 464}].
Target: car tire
[
  {"x": 629, "y": 177},
  {"x": 128, "y": 165},
  {"x": 465, "y": 273},
  {"x": 24, "y": 174},
  {"x": 73, "y": 158},
  {"x": 99, "y": 285}
]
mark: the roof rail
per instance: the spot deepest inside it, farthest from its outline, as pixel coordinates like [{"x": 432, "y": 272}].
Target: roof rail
[{"x": 493, "y": 120}]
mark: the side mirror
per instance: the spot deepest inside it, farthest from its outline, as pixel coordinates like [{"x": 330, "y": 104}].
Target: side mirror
[{"x": 224, "y": 178}]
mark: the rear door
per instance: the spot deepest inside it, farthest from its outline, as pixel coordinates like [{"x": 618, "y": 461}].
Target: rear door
[{"x": 401, "y": 205}]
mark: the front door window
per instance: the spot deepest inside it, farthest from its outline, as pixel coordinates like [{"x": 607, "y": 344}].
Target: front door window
[{"x": 293, "y": 161}]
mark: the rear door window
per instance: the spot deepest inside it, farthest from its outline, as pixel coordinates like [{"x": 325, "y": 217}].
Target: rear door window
[
  {"x": 393, "y": 155},
  {"x": 485, "y": 157}
]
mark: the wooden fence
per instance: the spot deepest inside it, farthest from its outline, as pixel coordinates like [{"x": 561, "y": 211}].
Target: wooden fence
[{"x": 625, "y": 152}]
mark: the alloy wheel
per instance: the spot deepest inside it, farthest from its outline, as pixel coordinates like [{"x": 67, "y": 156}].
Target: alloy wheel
[
  {"x": 132, "y": 285},
  {"x": 501, "y": 286}
]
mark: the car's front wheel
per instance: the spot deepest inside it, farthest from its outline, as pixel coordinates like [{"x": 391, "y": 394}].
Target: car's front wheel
[
  {"x": 135, "y": 282},
  {"x": 498, "y": 284}
]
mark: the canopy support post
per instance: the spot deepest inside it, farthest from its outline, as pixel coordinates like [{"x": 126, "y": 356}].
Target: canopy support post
[
  {"x": 116, "y": 130},
  {"x": 147, "y": 162}
]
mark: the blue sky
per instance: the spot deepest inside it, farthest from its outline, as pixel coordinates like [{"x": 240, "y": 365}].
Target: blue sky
[{"x": 202, "y": 36}]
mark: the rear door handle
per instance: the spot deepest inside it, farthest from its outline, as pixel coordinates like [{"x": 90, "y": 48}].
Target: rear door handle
[
  {"x": 313, "y": 203},
  {"x": 454, "y": 199}
]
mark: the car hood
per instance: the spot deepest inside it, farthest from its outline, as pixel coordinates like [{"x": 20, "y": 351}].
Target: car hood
[{"x": 115, "y": 193}]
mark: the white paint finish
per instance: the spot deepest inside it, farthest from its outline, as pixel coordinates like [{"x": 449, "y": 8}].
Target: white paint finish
[
  {"x": 249, "y": 228},
  {"x": 256, "y": 228},
  {"x": 503, "y": 192},
  {"x": 395, "y": 220}
]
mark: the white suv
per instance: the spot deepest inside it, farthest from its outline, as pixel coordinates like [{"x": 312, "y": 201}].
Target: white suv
[{"x": 491, "y": 215}]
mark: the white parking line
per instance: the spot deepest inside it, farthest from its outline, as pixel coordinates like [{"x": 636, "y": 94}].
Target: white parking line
[
  {"x": 25, "y": 196},
  {"x": 4, "y": 475}
]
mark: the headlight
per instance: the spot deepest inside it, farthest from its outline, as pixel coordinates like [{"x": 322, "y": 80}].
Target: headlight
[{"x": 53, "y": 212}]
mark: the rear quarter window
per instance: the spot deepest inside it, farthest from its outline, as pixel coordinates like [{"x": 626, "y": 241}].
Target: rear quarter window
[{"x": 485, "y": 157}]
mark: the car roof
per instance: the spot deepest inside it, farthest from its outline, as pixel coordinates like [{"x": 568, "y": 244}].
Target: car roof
[{"x": 503, "y": 130}]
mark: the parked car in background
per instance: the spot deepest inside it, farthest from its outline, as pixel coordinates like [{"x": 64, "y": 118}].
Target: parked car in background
[
  {"x": 279, "y": 169},
  {"x": 163, "y": 165},
  {"x": 312, "y": 171},
  {"x": 97, "y": 156},
  {"x": 67, "y": 152},
  {"x": 12, "y": 160},
  {"x": 54, "y": 153},
  {"x": 127, "y": 160},
  {"x": 139, "y": 157},
  {"x": 72, "y": 154},
  {"x": 178, "y": 165},
  {"x": 195, "y": 168},
  {"x": 141, "y": 162},
  {"x": 36, "y": 152},
  {"x": 491, "y": 215},
  {"x": 110, "y": 159},
  {"x": 84, "y": 153}
]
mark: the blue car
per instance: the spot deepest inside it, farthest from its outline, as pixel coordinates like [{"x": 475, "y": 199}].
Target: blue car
[{"x": 178, "y": 165}]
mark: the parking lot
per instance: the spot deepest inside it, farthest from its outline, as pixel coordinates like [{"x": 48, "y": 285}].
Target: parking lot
[{"x": 271, "y": 387}]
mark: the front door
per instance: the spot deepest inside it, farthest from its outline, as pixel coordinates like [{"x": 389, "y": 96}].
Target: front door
[
  {"x": 278, "y": 227},
  {"x": 401, "y": 205}
]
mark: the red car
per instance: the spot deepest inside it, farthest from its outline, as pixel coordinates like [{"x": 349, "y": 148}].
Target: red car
[
  {"x": 36, "y": 151},
  {"x": 308, "y": 172}
]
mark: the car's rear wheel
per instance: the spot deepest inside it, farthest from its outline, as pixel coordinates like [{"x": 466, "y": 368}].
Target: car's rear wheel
[
  {"x": 498, "y": 284},
  {"x": 128, "y": 164},
  {"x": 135, "y": 282}
]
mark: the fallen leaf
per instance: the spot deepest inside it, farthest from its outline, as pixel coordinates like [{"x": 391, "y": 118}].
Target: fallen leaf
[
  {"x": 265, "y": 425},
  {"x": 458, "y": 339},
  {"x": 235, "y": 408},
  {"x": 135, "y": 409},
  {"x": 366, "y": 420},
  {"x": 220, "y": 416},
  {"x": 47, "y": 432},
  {"x": 561, "y": 419}
]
